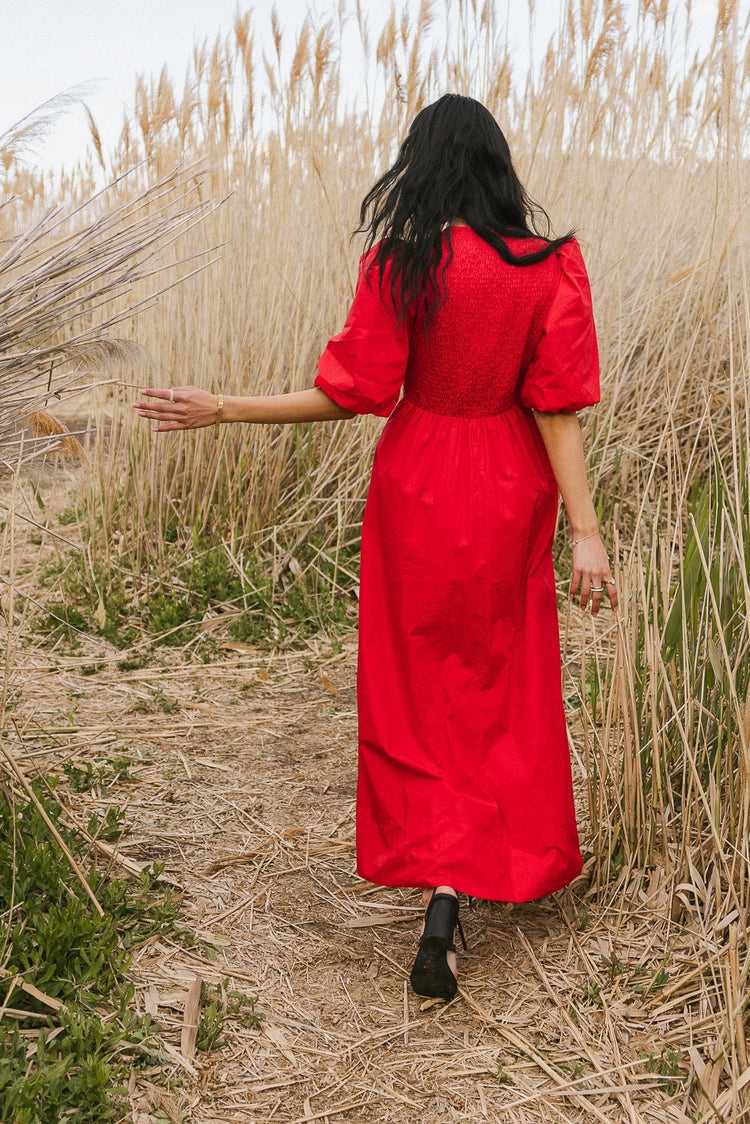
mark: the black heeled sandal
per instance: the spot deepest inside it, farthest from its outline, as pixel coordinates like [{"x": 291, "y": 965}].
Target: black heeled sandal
[{"x": 431, "y": 975}]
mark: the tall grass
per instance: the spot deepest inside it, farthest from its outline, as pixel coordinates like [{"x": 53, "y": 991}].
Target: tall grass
[
  {"x": 67, "y": 282},
  {"x": 604, "y": 132},
  {"x": 622, "y": 130}
]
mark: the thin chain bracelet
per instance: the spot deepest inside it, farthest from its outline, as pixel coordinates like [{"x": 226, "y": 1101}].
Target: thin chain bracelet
[{"x": 575, "y": 542}]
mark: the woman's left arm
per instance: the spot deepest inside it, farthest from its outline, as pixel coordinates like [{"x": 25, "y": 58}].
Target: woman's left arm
[
  {"x": 562, "y": 439},
  {"x": 189, "y": 407}
]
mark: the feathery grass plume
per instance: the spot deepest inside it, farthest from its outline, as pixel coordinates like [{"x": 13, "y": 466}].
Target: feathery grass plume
[
  {"x": 143, "y": 115},
  {"x": 276, "y": 33},
  {"x": 68, "y": 278},
  {"x": 606, "y": 41},
  {"x": 323, "y": 59},
  {"x": 300, "y": 62},
  {"x": 165, "y": 102},
  {"x": 45, "y": 425},
  {"x": 24, "y": 135},
  {"x": 387, "y": 40},
  {"x": 215, "y": 89},
  {"x": 362, "y": 27},
  {"x": 415, "y": 87},
  {"x": 96, "y": 139},
  {"x": 245, "y": 43}
]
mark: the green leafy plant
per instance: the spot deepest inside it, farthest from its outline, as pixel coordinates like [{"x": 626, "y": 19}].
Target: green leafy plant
[
  {"x": 86, "y": 779},
  {"x": 574, "y": 1067},
  {"x": 209, "y": 1027},
  {"x": 272, "y": 612},
  {"x": 76, "y": 958},
  {"x": 500, "y": 1073},
  {"x": 158, "y": 701},
  {"x": 134, "y": 662},
  {"x": 669, "y": 1063}
]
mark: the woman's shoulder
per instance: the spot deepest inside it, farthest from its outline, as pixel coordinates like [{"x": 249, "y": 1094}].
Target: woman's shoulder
[
  {"x": 385, "y": 251},
  {"x": 522, "y": 246},
  {"x": 570, "y": 262},
  {"x": 568, "y": 251}
]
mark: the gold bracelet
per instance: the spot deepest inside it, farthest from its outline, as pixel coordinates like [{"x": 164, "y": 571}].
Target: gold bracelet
[
  {"x": 219, "y": 412},
  {"x": 575, "y": 542}
]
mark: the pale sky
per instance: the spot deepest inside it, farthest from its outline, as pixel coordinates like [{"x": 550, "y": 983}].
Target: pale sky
[{"x": 48, "y": 46}]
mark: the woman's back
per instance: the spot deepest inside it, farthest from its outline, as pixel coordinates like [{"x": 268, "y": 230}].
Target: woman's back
[
  {"x": 506, "y": 334},
  {"x": 483, "y": 337}
]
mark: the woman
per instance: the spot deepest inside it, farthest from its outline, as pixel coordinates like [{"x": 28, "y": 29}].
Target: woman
[{"x": 464, "y": 775}]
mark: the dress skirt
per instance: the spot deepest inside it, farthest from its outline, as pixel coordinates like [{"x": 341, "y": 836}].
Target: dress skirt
[{"x": 464, "y": 768}]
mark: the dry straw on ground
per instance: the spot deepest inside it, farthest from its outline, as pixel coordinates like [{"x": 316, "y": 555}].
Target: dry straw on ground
[{"x": 571, "y": 1009}]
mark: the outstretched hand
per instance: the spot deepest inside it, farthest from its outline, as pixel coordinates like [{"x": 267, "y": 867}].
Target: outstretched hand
[
  {"x": 181, "y": 407},
  {"x": 592, "y": 572}
]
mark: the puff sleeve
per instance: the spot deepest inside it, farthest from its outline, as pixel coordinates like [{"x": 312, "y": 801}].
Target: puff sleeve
[
  {"x": 363, "y": 367},
  {"x": 563, "y": 374}
]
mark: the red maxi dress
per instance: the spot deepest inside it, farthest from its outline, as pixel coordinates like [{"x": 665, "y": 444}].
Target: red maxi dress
[{"x": 464, "y": 771}]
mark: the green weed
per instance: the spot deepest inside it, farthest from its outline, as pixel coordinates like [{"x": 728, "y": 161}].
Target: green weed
[
  {"x": 574, "y": 1068},
  {"x": 108, "y": 826},
  {"x": 209, "y": 1027},
  {"x": 92, "y": 668},
  {"x": 86, "y": 779},
  {"x": 134, "y": 662},
  {"x": 158, "y": 701},
  {"x": 13, "y": 699},
  {"x": 69, "y": 516},
  {"x": 62, "y": 620},
  {"x": 669, "y": 1063},
  {"x": 274, "y": 612},
  {"x": 60, "y": 944},
  {"x": 500, "y": 1073},
  {"x": 219, "y": 1003}
]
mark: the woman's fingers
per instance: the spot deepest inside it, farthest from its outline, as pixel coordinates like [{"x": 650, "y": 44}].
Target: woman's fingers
[
  {"x": 596, "y": 589},
  {"x": 160, "y": 399},
  {"x": 164, "y": 399},
  {"x": 158, "y": 392},
  {"x": 575, "y": 580},
  {"x": 591, "y": 573},
  {"x": 178, "y": 407},
  {"x": 164, "y": 423},
  {"x": 595, "y": 586},
  {"x": 585, "y": 588}
]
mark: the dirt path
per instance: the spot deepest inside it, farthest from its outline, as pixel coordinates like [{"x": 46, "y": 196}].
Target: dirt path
[{"x": 241, "y": 779}]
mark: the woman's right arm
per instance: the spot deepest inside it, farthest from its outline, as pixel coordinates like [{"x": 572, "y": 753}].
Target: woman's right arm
[
  {"x": 562, "y": 439},
  {"x": 193, "y": 408}
]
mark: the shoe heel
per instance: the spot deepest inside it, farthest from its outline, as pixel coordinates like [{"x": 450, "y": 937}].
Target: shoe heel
[{"x": 431, "y": 975}]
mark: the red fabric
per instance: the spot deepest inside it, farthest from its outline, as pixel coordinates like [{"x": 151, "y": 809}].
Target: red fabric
[
  {"x": 362, "y": 367},
  {"x": 464, "y": 773}
]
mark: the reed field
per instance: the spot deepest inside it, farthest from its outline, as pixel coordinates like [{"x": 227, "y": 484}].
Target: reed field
[{"x": 220, "y": 255}]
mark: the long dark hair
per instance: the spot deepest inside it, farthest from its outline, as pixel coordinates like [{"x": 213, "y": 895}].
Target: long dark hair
[{"x": 454, "y": 163}]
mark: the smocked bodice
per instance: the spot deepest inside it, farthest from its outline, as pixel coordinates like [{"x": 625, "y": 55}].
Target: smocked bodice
[
  {"x": 505, "y": 334},
  {"x": 483, "y": 337}
]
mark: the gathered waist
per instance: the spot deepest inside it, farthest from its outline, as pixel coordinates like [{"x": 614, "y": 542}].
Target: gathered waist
[{"x": 456, "y": 410}]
